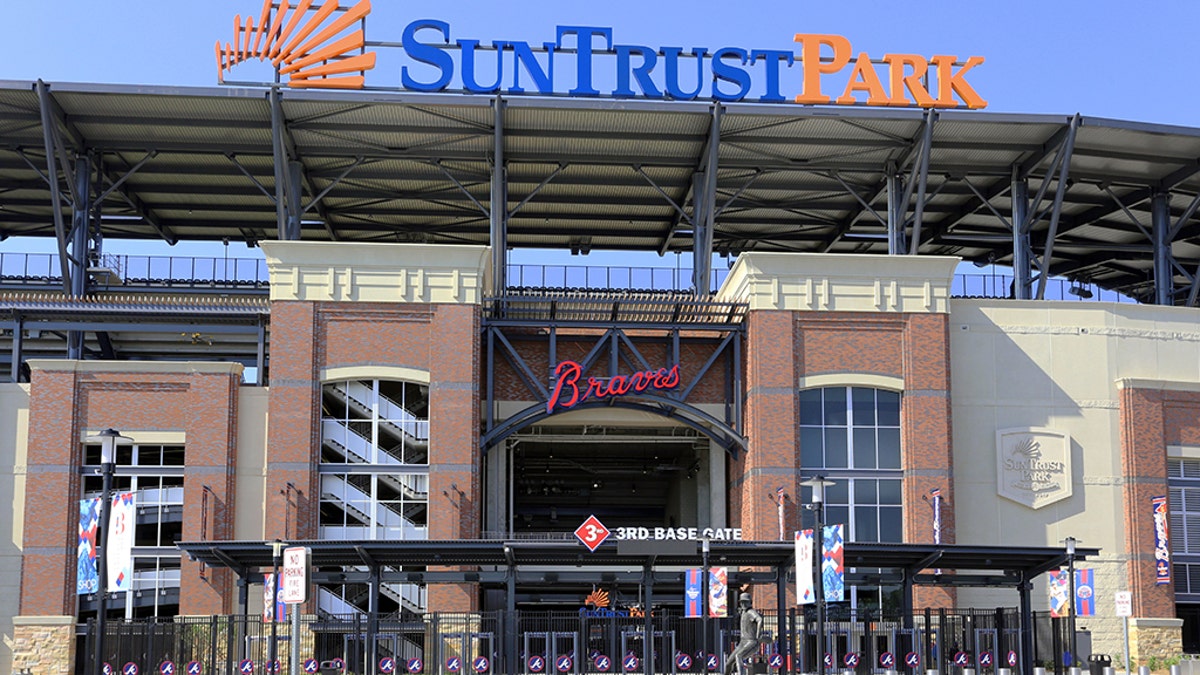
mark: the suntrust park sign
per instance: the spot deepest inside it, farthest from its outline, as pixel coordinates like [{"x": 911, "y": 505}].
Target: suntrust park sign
[{"x": 319, "y": 47}]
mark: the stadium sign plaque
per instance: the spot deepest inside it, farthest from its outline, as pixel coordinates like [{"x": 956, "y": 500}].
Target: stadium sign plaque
[
  {"x": 325, "y": 46},
  {"x": 1033, "y": 466}
]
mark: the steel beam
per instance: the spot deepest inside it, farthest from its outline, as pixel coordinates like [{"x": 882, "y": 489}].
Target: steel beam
[
  {"x": 498, "y": 204},
  {"x": 49, "y": 139},
  {"x": 279, "y": 154},
  {"x": 1064, "y": 171},
  {"x": 1022, "y": 250},
  {"x": 1160, "y": 228},
  {"x": 80, "y": 229},
  {"x": 704, "y": 222},
  {"x": 895, "y": 210},
  {"x": 922, "y": 178},
  {"x": 295, "y": 172}
]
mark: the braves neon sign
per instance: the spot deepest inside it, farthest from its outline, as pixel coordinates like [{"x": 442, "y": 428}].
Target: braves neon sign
[{"x": 569, "y": 391}]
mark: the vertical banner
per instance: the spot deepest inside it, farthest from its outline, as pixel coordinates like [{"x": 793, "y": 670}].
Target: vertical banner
[
  {"x": 806, "y": 593},
  {"x": 1085, "y": 592},
  {"x": 1162, "y": 542},
  {"x": 833, "y": 570},
  {"x": 718, "y": 591},
  {"x": 272, "y": 598},
  {"x": 87, "y": 579},
  {"x": 936, "y": 502},
  {"x": 121, "y": 524},
  {"x": 779, "y": 497},
  {"x": 1059, "y": 593},
  {"x": 691, "y": 595}
]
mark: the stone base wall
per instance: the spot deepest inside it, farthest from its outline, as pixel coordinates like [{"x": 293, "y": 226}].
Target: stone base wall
[
  {"x": 44, "y": 645},
  {"x": 1150, "y": 638}
]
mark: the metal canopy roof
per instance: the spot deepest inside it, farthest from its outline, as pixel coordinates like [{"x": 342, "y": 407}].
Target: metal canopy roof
[
  {"x": 197, "y": 163},
  {"x": 1011, "y": 563}
]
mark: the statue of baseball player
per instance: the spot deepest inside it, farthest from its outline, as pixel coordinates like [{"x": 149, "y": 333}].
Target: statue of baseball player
[{"x": 751, "y": 627}]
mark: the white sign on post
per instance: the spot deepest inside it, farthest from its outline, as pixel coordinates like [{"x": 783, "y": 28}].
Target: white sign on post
[
  {"x": 295, "y": 575},
  {"x": 1124, "y": 603}
]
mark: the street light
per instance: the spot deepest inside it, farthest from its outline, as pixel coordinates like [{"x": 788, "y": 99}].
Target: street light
[
  {"x": 1070, "y": 543},
  {"x": 273, "y": 649},
  {"x": 704, "y": 586},
  {"x": 108, "y": 464},
  {"x": 818, "y": 485}
]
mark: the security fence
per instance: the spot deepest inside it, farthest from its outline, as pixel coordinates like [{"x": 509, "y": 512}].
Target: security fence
[{"x": 587, "y": 641}]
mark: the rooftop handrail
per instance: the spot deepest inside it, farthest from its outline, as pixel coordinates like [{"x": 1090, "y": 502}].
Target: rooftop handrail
[
  {"x": 41, "y": 268},
  {"x": 37, "y": 269}
]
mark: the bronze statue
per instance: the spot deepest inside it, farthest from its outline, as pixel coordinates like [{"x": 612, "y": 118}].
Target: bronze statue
[{"x": 751, "y": 627}]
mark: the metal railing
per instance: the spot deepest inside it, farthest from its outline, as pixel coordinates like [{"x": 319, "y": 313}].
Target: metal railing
[
  {"x": 587, "y": 640},
  {"x": 116, "y": 271}
]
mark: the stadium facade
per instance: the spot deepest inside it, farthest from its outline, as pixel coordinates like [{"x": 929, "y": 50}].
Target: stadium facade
[{"x": 392, "y": 378}]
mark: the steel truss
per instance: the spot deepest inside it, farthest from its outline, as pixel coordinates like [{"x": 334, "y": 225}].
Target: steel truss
[
  {"x": 627, "y": 327},
  {"x": 1102, "y": 201}
]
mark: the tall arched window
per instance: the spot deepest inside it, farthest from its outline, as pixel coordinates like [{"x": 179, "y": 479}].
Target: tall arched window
[
  {"x": 851, "y": 435},
  {"x": 374, "y": 475}
]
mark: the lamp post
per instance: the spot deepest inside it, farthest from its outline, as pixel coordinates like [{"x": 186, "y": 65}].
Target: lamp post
[
  {"x": 1070, "y": 543},
  {"x": 273, "y": 649},
  {"x": 818, "y": 485},
  {"x": 108, "y": 464},
  {"x": 704, "y": 546}
]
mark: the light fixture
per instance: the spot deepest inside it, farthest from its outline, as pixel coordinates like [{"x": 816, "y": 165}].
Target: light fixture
[
  {"x": 108, "y": 464},
  {"x": 1079, "y": 290}
]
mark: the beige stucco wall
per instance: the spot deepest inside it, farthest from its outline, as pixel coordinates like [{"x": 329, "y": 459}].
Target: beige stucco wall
[
  {"x": 1056, "y": 365},
  {"x": 251, "y": 481},
  {"x": 14, "y": 434}
]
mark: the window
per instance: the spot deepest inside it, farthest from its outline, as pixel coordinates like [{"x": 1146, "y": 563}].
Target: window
[
  {"x": 154, "y": 473},
  {"x": 374, "y": 477},
  {"x": 1183, "y": 476},
  {"x": 851, "y": 435}
]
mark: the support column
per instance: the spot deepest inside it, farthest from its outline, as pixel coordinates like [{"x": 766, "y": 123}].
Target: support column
[
  {"x": 1026, "y": 626},
  {"x": 295, "y": 210},
  {"x": 1020, "y": 229},
  {"x": 895, "y": 210},
  {"x": 77, "y": 260},
  {"x": 1160, "y": 229},
  {"x": 704, "y": 195},
  {"x": 498, "y": 206},
  {"x": 278, "y": 151}
]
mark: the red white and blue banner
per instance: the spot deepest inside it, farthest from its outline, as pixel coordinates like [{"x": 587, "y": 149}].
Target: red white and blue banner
[
  {"x": 1085, "y": 592},
  {"x": 718, "y": 591},
  {"x": 1162, "y": 542},
  {"x": 936, "y": 502},
  {"x": 806, "y": 593},
  {"x": 692, "y": 600},
  {"x": 121, "y": 524},
  {"x": 833, "y": 568},
  {"x": 1060, "y": 593},
  {"x": 86, "y": 578},
  {"x": 273, "y": 591}
]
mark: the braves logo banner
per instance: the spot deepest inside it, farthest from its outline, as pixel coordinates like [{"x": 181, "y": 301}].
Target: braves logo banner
[
  {"x": 1162, "y": 541},
  {"x": 1059, "y": 593},
  {"x": 1085, "y": 592},
  {"x": 718, "y": 591},
  {"x": 86, "y": 579},
  {"x": 122, "y": 520},
  {"x": 833, "y": 568},
  {"x": 691, "y": 594},
  {"x": 805, "y": 589}
]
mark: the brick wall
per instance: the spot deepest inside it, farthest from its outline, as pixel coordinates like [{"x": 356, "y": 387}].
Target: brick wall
[
  {"x": 784, "y": 347},
  {"x": 70, "y": 397},
  {"x": 441, "y": 339},
  {"x": 1151, "y": 419}
]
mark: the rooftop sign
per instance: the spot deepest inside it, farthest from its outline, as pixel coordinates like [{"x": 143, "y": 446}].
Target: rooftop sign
[{"x": 313, "y": 48}]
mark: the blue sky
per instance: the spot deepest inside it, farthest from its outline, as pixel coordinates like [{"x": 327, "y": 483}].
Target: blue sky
[{"x": 1102, "y": 58}]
